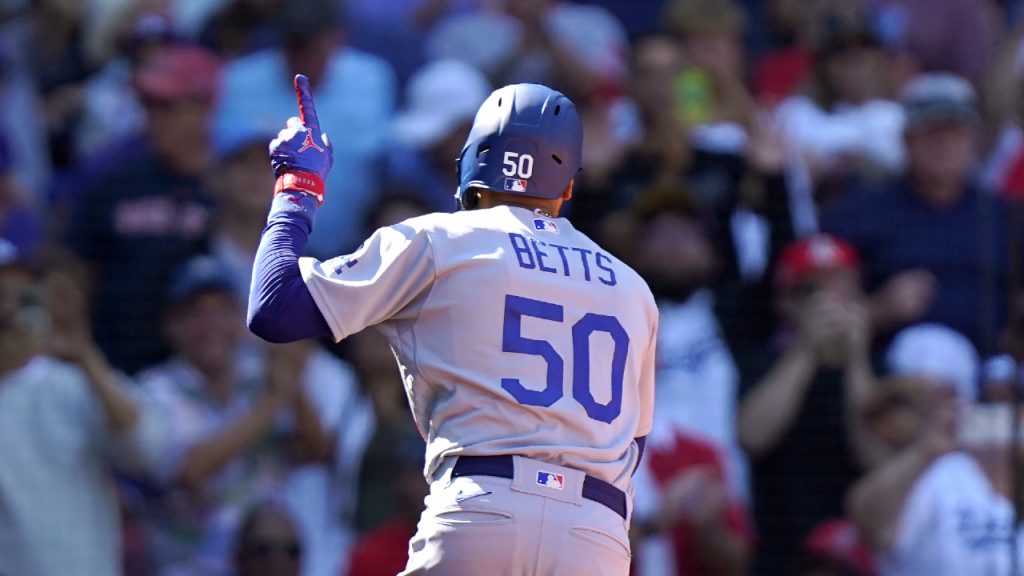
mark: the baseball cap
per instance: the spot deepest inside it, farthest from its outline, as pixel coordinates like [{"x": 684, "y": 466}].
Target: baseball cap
[
  {"x": 938, "y": 97},
  {"x": 440, "y": 96},
  {"x": 939, "y": 353},
  {"x": 839, "y": 542},
  {"x": 181, "y": 71},
  {"x": 196, "y": 275},
  {"x": 820, "y": 252}
]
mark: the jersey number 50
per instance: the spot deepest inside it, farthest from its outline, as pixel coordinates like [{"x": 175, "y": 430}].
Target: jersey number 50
[{"x": 512, "y": 341}]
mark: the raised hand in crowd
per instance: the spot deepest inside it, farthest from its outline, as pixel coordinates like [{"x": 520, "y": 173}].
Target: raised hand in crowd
[{"x": 904, "y": 298}]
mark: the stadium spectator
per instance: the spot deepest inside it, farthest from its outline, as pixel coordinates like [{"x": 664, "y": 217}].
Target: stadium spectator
[
  {"x": 934, "y": 243},
  {"x": 796, "y": 398},
  {"x": 664, "y": 155},
  {"x": 941, "y": 505},
  {"x": 67, "y": 423},
  {"x": 144, "y": 207},
  {"x": 111, "y": 110},
  {"x": 660, "y": 154},
  {"x": 382, "y": 550},
  {"x": 268, "y": 543},
  {"x": 355, "y": 94},
  {"x": 846, "y": 124},
  {"x": 686, "y": 519},
  {"x": 428, "y": 133},
  {"x": 246, "y": 428},
  {"x": 713, "y": 97},
  {"x": 573, "y": 47},
  {"x": 697, "y": 380}
]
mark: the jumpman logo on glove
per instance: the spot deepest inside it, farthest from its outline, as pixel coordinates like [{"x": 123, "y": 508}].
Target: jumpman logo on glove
[{"x": 308, "y": 143}]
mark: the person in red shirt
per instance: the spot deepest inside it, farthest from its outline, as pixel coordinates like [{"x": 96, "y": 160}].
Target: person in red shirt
[{"x": 708, "y": 529}]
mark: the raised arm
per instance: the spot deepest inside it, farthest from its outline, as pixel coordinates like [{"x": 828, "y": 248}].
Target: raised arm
[{"x": 281, "y": 308}]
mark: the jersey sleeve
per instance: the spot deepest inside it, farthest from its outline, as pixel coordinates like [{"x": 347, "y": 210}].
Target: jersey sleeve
[
  {"x": 647, "y": 383},
  {"x": 381, "y": 280}
]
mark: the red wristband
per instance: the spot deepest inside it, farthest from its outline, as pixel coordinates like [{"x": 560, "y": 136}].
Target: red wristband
[{"x": 302, "y": 182}]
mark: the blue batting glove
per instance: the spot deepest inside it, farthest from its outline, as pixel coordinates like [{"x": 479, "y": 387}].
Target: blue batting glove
[{"x": 301, "y": 155}]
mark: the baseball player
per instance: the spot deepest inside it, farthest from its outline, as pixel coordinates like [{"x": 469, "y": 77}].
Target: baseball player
[{"x": 526, "y": 350}]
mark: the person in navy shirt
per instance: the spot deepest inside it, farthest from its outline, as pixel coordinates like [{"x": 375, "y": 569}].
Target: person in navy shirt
[{"x": 935, "y": 244}]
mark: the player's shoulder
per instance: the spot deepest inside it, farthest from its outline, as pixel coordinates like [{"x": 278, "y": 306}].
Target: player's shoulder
[
  {"x": 456, "y": 223},
  {"x": 627, "y": 277},
  {"x": 642, "y": 289}
]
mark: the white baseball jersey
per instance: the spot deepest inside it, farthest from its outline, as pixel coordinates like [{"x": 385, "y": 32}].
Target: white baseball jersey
[
  {"x": 953, "y": 523},
  {"x": 514, "y": 333}
]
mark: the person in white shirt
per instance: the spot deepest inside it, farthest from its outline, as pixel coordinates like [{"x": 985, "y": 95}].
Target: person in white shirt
[
  {"x": 66, "y": 424},
  {"x": 940, "y": 506}
]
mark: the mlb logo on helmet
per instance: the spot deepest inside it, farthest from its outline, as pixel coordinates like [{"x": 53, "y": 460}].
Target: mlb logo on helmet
[
  {"x": 545, "y": 225},
  {"x": 550, "y": 479},
  {"x": 515, "y": 185}
]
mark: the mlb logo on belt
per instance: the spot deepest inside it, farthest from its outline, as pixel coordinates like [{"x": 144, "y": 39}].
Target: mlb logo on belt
[
  {"x": 515, "y": 185},
  {"x": 550, "y": 479}
]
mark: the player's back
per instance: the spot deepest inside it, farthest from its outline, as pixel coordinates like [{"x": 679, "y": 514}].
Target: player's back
[{"x": 532, "y": 340}]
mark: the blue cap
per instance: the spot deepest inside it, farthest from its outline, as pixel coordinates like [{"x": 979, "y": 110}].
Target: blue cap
[
  {"x": 526, "y": 139},
  {"x": 199, "y": 274}
]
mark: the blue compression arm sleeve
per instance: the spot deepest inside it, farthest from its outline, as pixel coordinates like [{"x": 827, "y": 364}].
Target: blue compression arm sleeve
[{"x": 281, "y": 309}]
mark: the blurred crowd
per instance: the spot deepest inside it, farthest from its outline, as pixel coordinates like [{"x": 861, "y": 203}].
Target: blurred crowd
[{"x": 825, "y": 196}]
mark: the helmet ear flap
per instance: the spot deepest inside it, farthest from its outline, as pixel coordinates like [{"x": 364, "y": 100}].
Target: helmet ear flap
[{"x": 465, "y": 199}]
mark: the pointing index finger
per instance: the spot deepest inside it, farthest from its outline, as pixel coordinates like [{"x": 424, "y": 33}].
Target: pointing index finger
[{"x": 307, "y": 111}]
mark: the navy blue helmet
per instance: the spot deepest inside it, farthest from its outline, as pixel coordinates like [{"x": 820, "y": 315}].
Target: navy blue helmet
[{"x": 526, "y": 139}]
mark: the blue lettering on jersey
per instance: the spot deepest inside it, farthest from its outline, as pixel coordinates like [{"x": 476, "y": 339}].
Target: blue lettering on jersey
[
  {"x": 345, "y": 264},
  {"x": 610, "y": 281},
  {"x": 561, "y": 252},
  {"x": 513, "y": 341},
  {"x": 541, "y": 255},
  {"x": 583, "y": 257},
  {"x": 522, "y": 249},
  {"x": 531, "y": 255},
  {"x": 980, "y": 529}
]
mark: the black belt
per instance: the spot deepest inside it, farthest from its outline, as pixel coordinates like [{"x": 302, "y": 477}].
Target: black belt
[{"x": 501, "y": 466}]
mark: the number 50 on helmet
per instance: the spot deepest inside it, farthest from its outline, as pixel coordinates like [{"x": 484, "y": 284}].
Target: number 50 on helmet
[{"x": 526, "y": 139}]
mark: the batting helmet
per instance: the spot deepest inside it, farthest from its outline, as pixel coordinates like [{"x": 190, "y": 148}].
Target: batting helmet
[{"x": 526, "y": 139}]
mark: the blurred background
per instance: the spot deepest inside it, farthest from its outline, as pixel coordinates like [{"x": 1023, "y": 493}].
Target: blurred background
[{"x": 825, "y": 196}]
